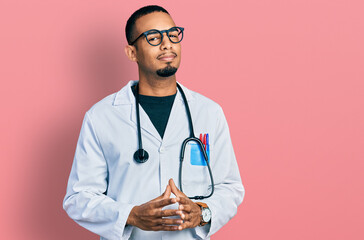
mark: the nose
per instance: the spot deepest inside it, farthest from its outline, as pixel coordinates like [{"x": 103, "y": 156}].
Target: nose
[{"x": 166, "y": 43}]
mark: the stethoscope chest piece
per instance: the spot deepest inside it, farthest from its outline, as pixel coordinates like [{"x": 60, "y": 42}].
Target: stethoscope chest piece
[{"x": 141, "y": 156}]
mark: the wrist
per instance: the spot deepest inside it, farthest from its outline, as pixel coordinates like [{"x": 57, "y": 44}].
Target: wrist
[
  {"x": 205, "y": 213},
  {"x": 199, "y": 213},
  {"x": 131, "y": 217}
]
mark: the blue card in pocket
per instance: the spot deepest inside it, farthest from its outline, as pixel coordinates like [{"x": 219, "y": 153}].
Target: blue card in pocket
[{"x": 197, "y": 157}]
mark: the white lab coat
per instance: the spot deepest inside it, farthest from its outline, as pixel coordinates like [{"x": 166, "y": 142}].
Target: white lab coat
[{"x": 105, "y": 182}]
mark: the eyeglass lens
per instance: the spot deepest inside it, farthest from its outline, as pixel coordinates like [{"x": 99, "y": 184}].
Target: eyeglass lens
[{"x": 155, "y": 37}]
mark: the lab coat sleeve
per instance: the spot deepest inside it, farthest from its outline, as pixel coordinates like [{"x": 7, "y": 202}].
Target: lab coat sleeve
[
  {"x": 85, "y": 201},
  {"x": 229, "y": 190}
]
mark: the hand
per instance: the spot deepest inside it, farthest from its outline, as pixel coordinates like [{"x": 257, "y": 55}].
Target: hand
[
  {"x": 150, "y": 216},
  {"x": 191, "y": 212}
]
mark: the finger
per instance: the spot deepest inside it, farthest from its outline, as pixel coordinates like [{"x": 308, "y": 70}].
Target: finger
[
  {"x": 185, "y": 200},
  {"x": 169, "y": 221},
  {"x": 183, "y": 215},
  {"x": 167, "y": 192},
  {"x": 169, "y": 213},
  {"x": 164, "y": 228},
  {"x": 187, "y": 216},
  {"x": 163, "y": 202},
  {"x": 185, "y": 207},
  {"x": 185, "y": 225},
  {"x": 174, "y": 189}
]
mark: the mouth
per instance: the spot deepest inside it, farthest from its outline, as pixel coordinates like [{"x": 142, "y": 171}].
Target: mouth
[{"x": 167, "y": 57}]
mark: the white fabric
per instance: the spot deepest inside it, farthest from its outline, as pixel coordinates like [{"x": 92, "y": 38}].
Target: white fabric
[{"x": 105, "y": 182}]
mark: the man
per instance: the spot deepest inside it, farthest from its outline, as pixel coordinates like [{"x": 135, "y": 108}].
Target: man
[{"x": 120, "y": 193}]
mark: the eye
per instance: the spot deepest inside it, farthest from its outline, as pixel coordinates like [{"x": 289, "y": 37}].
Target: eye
[
  {"x": 153, "y": 37},
  {"x": 173, "y": 34}
]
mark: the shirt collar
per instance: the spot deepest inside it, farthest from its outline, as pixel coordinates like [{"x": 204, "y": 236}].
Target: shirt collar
[{"x": 126, "y": 96}]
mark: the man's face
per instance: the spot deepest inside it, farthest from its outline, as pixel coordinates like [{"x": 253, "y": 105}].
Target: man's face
[{"x": 162, "y": 60}]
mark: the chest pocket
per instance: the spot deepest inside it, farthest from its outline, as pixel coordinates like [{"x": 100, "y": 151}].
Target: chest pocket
[
  {"x": 196, "y": 155},
  {"x": 195, "y": 174}
]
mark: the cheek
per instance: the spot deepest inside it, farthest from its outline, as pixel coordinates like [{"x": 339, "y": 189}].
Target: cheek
[
  {"x": 146, "y": 59},
  {"x": 178, "y": 59}
]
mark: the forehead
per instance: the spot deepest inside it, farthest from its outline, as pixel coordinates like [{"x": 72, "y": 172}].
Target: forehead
[{"x": 154, "y": 20}]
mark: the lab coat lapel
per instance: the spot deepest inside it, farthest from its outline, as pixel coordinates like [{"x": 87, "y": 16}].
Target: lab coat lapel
[
  {"x": 145, "y": 123},
  {"x": 126, "y": 97}
]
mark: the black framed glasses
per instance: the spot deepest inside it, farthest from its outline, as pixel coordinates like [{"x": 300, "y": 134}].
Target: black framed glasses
[{"x": 155, "y": 37}]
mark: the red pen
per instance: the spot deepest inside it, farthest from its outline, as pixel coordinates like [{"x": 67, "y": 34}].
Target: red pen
[
  {"x": 201, "y": 137},
  {"x": 204, "y": 141}
]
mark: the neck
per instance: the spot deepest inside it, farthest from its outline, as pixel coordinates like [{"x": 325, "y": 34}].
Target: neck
[{"x": 157, "y": 87}]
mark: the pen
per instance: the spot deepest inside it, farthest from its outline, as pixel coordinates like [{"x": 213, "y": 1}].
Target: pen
[
  {"x": 207, "y": 142},
  {"x": 204, "y": 140}
]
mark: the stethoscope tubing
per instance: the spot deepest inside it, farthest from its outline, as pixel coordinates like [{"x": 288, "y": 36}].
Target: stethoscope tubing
[
  {"x": 142, "y": 156},
  {"x": 184, "y": 144},
  {"x": 183, "y": 147}
]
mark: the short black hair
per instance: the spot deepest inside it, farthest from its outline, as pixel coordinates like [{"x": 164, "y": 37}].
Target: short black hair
[{"x": 130, "y": 24}]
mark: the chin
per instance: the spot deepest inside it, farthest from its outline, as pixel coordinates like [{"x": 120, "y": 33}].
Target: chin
[{"x": 167, "y": 71}]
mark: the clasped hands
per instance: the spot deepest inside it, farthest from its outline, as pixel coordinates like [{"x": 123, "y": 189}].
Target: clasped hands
[{"x": 150, "y": 216}]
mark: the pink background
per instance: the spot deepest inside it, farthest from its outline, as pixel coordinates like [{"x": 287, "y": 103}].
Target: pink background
[{"x": 288, "y": 74}]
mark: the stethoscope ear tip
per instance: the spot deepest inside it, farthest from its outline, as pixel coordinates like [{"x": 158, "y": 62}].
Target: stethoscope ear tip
[{"x": 141, "y": 156}]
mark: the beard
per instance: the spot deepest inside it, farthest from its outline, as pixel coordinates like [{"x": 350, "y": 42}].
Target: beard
[{"x": 167, "y": 71}]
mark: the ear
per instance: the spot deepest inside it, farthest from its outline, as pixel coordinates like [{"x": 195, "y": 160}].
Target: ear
[{"x": 130, "y": 52}]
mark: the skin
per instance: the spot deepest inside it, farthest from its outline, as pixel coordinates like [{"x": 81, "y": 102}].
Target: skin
[
  {"x": 150, "y": 216},
  {"x": 191, "y": 212},
  {"x": 148, "y": 57}
]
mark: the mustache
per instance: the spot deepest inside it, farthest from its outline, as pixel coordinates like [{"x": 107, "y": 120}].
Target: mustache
[{"x": 166, "y": 54}]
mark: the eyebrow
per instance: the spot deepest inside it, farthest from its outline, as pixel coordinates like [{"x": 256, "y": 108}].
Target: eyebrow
[{"x": 160, "y": 29}]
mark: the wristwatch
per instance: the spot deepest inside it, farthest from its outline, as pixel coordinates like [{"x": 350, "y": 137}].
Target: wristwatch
[{"x": 205, "y": 213}]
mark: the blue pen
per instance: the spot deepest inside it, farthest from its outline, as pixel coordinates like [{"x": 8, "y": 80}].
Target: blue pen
[{"x": 207, "y": 144}]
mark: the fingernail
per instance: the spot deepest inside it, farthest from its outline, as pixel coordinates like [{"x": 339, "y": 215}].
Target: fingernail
[
  {"x": 182, "y": 216},
  {"x": 180, "y": 228}
]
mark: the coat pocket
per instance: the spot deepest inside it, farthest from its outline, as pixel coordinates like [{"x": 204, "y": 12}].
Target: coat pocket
[{"x": 196, "y": 155}]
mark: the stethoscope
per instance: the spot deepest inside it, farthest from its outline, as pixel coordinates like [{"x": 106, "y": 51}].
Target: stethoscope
[{"x": 141, "y": 156}]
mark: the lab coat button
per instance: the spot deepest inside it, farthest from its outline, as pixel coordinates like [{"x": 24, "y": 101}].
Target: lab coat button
[{"x": 161, "y": 149}]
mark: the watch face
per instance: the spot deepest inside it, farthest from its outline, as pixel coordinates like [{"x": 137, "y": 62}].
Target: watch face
[{"x": 206, "y": 215}]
